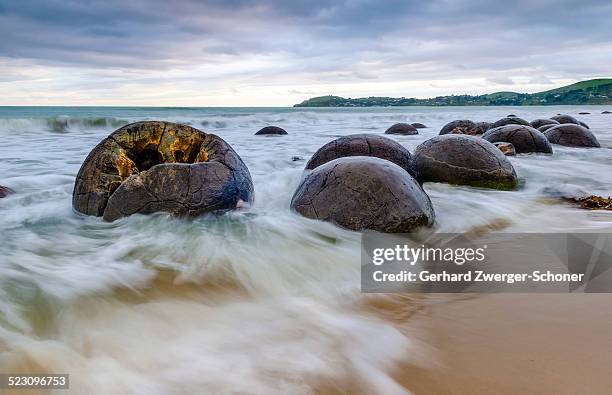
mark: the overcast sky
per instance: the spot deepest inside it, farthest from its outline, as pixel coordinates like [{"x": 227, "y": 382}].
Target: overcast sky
[{"x": 279, "y": 52}]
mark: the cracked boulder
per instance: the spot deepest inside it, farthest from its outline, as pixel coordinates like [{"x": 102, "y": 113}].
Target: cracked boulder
[
  {"x": 153, "y": 166},
  {"x": 571, "y": 135},
  {"x": 464, "y": 160},
  {"x": 361, "y": 193},
  {"x": 402, "y": 128},
  {"x": 364, "y": 145},
  {"x": 5, "y": 191},
  {"x": 461, "y": 126},
  {"x": 524, "y": 138}
]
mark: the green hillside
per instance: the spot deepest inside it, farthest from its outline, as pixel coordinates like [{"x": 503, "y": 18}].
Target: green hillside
[{"x": 596, "y": 91}]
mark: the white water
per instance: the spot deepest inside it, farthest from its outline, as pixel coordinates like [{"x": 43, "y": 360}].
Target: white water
[{"x": 261, "y": 301}]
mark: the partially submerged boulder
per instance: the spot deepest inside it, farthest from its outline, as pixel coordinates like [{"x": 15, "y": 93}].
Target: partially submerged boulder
[
  {"x": 544, "y": 128},
  {"x": 606, "y": 112},
  {"x": 571, "y": 135},
  {"x": 271, "y": 130},
  {"x": 5, "y": 191},
  {"x": 584, "y": 113},
  {"x": 361, "y": 193},
  {"x": 364, "y": 145},
  {"x": 537, "y": 123},
  {"x": 461, "y": 126},
  {"x": 506, "y": 148},
  {"x": 402, "y": 128},
  {"x": 562, "y": 118},
  {"x": 510, "y": 121},
  {"x": 464, "y": 160},
  {"x": 418, "y": 125},
  {"x": 483, "y": 127},
  {"x": 524, "y": 138},
  {"x": 152, "y": 166}
]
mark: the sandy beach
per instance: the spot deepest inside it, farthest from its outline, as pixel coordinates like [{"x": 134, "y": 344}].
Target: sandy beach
[{"x": 517, "y": 344}]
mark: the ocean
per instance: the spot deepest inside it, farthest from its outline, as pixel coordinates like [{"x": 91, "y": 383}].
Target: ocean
[{"x": 256, "y": 301}]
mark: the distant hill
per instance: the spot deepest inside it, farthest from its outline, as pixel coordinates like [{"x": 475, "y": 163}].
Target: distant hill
[{"x": 597, "y": 91}]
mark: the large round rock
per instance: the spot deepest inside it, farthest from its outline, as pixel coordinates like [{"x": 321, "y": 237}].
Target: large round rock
[
  {"x": 402, "y": 128},
  {"x": 537, "y": 123},
  {"x": 461, "y": 126},
  {"x": 361, "y": 193},
  {"x": 464, "y": 160},
  {"x": 5, "y": 191},
  {"x": 147, "y": 167},
  {"x": 562, "y": 118},
  {"x": 571, "y": 135},
  {"x": 510, "y": 121},
  {"x": 364, "y": 145},
  {"x": 524, "y": 138},
  {"x": 271, "y": 130}
]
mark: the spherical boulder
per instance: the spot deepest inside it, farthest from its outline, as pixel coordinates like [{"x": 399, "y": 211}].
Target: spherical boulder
[
  {"x": 361, "y": 193},
  {"x": 364, "y": 145},
  {"x": 460, "y": 126},
  {"x": 524, "y": 138},
  {"x": 506, "y": 148},
  {"x": 483, "y": 127},
  {"x": 402, "y": 128},
  {"x": 509, "y": 121},
  {"x": 464, "y": 160},
  {"x": 5, "y": 191},
  {"x": 271, "y": 130},
  {"x": 561, "y": 118},
  {"x": 571, "y": 135},
  {"x": 418, "y": 125},
  {"x": 544, "y": 128},
  {"x": 152, "y": 166},
  {"x": 537, "y": 123}
]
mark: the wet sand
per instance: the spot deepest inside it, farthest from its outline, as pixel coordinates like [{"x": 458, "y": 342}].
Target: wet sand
[{"x": 515, "y": 344}]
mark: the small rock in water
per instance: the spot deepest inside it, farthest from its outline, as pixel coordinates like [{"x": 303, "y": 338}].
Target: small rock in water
[
  {"x": 510, "y": 116},
  {"x": 606, "y": 112},
  {"x": 418, "y": 125},
  {"x": 271, "y": 130},
  {"x": 402, "y": 128},
  {"x": 584, "y": 113},
  {"x": 592, "y": 202},
  {"x": 5, "y": 191},
  {"x": 506, "y": 148},
  {"x": 296, "y": 158}
]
